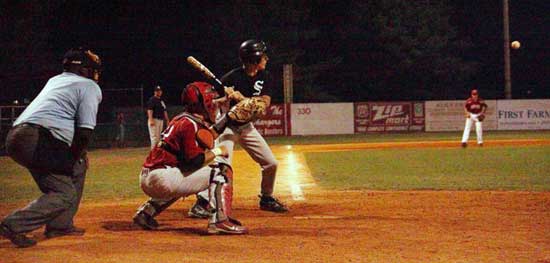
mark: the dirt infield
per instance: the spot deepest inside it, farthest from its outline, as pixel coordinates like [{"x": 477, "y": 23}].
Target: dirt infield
[{"x": 323, "y": 226}]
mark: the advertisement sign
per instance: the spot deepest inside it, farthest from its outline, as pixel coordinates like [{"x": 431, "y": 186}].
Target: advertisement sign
[
  {"x": 523, "y": 114},
  {"x": 448, "y": 115},
  {"x": 321, "y": 118},
  {"x": 388, "y": 116},
  {"x": 274, "y": 123}
]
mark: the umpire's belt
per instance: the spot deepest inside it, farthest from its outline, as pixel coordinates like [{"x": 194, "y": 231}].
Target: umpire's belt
[{"x": 30, "y": 125}]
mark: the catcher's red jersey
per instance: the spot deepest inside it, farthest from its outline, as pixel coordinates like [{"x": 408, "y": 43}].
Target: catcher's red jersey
[
  {"x": 474, "y": 106},
  {"x": 180, "y": 138}
]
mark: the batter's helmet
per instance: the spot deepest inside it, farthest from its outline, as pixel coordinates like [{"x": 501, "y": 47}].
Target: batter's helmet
[
  {"x": 198, "y": 97},
  {"x": 252, "y": 50},
  {"x": 83, "y": 58}
]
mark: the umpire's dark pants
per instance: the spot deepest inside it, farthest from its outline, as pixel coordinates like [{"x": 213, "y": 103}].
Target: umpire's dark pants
[{"x": 54, "y": 170}]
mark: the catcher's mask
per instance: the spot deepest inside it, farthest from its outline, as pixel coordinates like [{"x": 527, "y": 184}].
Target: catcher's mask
[
  {"x": 84, "y": 62},
  {"x": 198, "y": 97},
  {"x": 251, "y": 51}
]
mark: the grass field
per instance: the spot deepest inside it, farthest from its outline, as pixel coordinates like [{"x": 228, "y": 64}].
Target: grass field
[
  {"x": 403, "y": 137},
  {"x": 337, "y": 212},
  {"x": 495, "y": 168},
  {"x": 114, "y": 174}
]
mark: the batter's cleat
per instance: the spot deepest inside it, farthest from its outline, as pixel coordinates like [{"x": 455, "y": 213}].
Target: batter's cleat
[
  {"x": 20, "y": 240},
  {"x": 73, "y": 231},
  {"x": 480, "y": 144},
  {"x": 269, "y": 203},
  {"x": 464, "y": 145},
  {"x": 145, "y": 221},
  {"x": 199, "y": 210},
  {"x": 229, "y": 226}
]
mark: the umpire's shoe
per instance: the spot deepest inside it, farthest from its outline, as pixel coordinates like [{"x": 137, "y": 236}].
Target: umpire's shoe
[
  {"x": 145, "y": 221},
  {"x": 20, "y": 240},
  {"x": 269, "y": 203},
  {"x": 73, "y": 231}
]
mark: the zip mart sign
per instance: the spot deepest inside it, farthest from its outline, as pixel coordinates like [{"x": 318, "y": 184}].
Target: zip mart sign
[{"x": 388, "y": 116}]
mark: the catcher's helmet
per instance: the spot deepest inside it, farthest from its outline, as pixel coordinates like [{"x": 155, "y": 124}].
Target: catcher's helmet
[
  {"x": 197, "y": 97},
  {"x": 252, "y": 50},
  {"x": 83, "y": 58}
]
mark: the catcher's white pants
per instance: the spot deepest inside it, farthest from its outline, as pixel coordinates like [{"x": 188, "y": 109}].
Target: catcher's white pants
[
  {"x": 255, "y": 145},
  {"x": 169, "y": 182},
  {"x": 479, "y": 130},
  {"x": 154, "y": 131}
]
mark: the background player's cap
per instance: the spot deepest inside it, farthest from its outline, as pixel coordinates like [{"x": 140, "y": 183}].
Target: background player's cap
[
  {"x": 158, "y": 88},
  {"x": 474, "y": 92}
]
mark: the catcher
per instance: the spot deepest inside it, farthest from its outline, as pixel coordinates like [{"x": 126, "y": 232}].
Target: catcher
[
  {"x": 474, "y": 111},
  {"x": 178, "y": 165},
  {"x": 250, "y": 95}
]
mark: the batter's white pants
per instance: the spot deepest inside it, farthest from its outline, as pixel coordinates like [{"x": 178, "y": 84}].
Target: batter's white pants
[
  {"x": 467, "y": 128},
  {"x": 255, "y": 145},
  {"x": 154, "y": 131}
]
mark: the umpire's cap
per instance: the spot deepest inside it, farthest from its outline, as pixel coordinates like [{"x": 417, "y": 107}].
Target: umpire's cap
[{"x": 82, "y": 57}]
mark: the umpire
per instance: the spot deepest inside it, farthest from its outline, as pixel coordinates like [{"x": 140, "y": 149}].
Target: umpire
[{"x": 50, "y": 139}]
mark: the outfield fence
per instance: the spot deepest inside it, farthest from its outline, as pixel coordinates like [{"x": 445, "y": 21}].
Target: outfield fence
[{"x": 127, "y": 126}]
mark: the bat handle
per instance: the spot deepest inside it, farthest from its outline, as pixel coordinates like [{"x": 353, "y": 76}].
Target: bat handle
[{"x": 218, "y": 85}]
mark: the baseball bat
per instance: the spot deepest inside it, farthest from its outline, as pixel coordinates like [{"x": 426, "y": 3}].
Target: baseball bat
[{"x": 203, "y": 69}]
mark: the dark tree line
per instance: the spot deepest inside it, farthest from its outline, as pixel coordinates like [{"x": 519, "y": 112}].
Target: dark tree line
[{"x": 346, "y": 50}]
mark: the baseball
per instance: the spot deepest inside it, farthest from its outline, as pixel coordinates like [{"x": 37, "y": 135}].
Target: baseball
[{"x": 515, "y": 45}]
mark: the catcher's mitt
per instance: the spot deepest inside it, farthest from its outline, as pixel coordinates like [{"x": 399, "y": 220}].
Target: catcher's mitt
[
  {"x": 481, "y": 117},
  {"x": 247, "y": 110}
]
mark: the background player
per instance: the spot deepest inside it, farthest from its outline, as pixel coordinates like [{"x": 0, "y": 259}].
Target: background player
[
  {"x": 248, "y": 80},
  {"x": 156, "y": 115},
  {"x": 50, "y": 139},
  {"x": 172, "y": 169},
  {"x": 474, "y": 110}
]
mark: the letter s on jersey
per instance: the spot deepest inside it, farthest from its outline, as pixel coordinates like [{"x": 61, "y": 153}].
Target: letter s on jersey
[{"x": 258, "y": 86}]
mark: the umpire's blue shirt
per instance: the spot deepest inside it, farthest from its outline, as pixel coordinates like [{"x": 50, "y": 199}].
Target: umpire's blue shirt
[{"x": 67, "y": 100}]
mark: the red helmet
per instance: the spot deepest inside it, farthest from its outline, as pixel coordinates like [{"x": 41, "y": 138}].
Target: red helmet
[{"x": 197, "y": 97}]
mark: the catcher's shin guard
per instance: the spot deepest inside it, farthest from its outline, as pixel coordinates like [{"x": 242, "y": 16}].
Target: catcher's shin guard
[
  {"x": 221, "y": 197},
  {"x": 221, "y": 192}
]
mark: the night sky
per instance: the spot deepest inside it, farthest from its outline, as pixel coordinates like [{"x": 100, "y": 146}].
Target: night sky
[{"x": 145, "y": 43}]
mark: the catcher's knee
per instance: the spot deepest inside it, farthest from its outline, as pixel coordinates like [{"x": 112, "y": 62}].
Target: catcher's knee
[{"x": 222, "y": 173}]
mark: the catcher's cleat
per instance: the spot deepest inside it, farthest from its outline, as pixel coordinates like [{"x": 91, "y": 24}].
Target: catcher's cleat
[
  {"x": 269, "y": 203},
  {"x": 20, "y": 240},
  {"x": 199, "y": 209},
  {"x": 145, "y": 221},
  {"x": 229, "y": 226},
  {"x": 73, "y": 231},
  {"x": 464, "y": 145}
]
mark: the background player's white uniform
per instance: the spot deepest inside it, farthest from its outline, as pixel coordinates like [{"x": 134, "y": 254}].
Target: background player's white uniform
[{"x": 474, "y": 107}]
